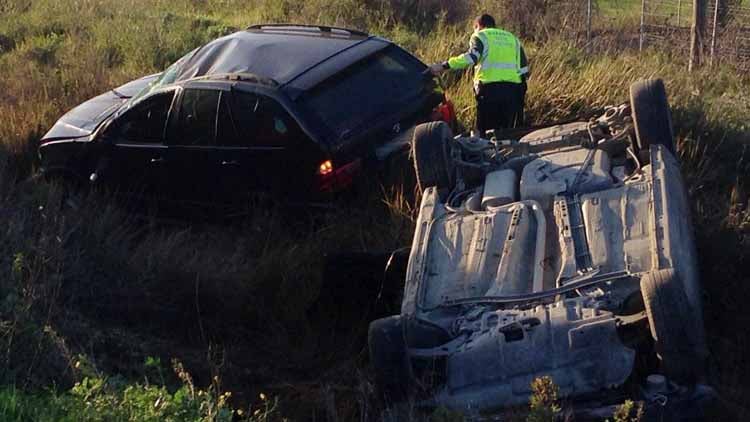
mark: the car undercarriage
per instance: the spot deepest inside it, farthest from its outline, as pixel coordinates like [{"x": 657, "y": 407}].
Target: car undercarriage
[{"x": 567, "y": 253}]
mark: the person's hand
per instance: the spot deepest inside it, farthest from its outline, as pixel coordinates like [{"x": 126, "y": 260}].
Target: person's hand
[{"x": 437, "y": 68}]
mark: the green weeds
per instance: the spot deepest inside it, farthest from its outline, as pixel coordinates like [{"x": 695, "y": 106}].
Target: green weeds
[
  {"x": 544, "y": 400},
  {"x": 99, "y": 282},
  {"x": 98, "y": 398},
  {"x": 628, "y": 412}
]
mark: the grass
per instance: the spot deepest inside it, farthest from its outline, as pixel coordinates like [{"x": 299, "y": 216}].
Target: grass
[
  {"x": 234, "y": 301},
  {"x": 111, "y": 399}
]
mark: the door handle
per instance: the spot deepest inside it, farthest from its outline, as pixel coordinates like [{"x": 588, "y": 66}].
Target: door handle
[
  {"x": 229, "y": 163},
  {"x": 157, "y": 160}
]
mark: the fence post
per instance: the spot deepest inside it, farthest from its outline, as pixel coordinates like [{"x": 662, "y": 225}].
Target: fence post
[
  {"x": 679, "y": 12},
  {"x": 696, "y": 36},
  {"x": 588, "y": 21},
  {"x": 713, "y": 30},
  {"x": 642, "y": 34}
]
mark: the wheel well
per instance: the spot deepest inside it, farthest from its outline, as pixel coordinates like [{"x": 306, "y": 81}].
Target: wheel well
[{"x": 62, "y": 174}]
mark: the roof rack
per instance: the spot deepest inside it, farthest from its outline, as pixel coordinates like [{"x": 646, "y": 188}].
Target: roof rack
[
  {"x": 238, "y": 76},
  {"x": 304, "y": 27}
]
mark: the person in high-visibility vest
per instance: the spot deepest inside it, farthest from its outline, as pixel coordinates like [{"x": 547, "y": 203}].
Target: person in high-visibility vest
[{"x": 500, "y": 73}]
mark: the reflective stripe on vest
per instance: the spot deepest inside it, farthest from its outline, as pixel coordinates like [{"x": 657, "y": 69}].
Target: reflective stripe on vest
[
  {"x": 499, "y": 66},
  {"x": 501, "y": 58}
]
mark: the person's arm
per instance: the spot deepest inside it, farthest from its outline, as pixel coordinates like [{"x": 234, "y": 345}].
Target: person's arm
[
  {"x": 468, "y": 59},
  {"x": 524, "y": 66}
]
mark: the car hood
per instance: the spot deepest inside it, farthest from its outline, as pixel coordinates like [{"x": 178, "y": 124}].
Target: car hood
[{"x": 84, "y": 118}]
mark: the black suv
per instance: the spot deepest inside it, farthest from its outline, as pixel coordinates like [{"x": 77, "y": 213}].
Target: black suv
[{"x": 280, "y": 108}]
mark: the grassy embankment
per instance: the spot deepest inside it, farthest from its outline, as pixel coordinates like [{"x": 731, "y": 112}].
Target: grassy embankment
[{"x": 93, "y": 285}]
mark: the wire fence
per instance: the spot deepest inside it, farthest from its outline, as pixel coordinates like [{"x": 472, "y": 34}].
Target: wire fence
[
  {"x": 607, "y": 25},
  {"x": 667, "y": 24},
  {"x": 730, "y": 33}
]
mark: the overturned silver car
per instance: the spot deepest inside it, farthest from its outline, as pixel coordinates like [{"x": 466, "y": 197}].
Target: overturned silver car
[{"x": 566, "y": 253}]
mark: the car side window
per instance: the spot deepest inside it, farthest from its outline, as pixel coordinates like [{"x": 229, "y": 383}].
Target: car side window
[
  {"x": 145, "y": 122},
  {"x": 262, "y": 122},
  {"x": 226, "y": 132},
  {"x": 196, "y": 121}
]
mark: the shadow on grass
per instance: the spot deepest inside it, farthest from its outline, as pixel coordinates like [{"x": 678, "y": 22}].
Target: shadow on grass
[
  {"x": 234, "y": 300},
  {"x": 716, "y": 165}
]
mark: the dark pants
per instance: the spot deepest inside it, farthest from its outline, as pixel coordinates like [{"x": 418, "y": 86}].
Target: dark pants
[{"x": 500, "y": 106}]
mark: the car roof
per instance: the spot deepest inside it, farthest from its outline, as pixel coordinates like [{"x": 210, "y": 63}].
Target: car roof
[{"x": 282, "y": 53}]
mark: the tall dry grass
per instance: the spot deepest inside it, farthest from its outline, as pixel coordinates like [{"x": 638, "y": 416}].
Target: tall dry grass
[{"x": 97, "y": 281}]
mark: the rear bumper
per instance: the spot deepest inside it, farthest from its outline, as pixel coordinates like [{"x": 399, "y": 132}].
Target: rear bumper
[{"x": 340, "y": 178}]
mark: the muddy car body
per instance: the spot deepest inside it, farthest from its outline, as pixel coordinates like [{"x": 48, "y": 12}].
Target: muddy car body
[
  {"x": 282, "y": 108},
  {"x": 567, "y": 253}
]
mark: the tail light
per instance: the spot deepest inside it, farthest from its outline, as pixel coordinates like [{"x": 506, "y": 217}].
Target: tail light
[
  {"x": 325, "y": 168},
  {"x": 445, "y": 112},
  {"x": 334, "y": 179}
]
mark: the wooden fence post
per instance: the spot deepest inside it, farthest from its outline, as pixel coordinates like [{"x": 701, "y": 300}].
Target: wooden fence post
[
  {"x": 696, "y": 36},
  {"x": 713, "y": 30},
  {"x": 588, "y": 21},
  {"x": 642, "y": 34}
]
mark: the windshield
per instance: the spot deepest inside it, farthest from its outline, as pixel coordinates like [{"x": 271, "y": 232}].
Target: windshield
[
  {"x": 377, "y": 85},
  {"x": 166, "y": 78}
]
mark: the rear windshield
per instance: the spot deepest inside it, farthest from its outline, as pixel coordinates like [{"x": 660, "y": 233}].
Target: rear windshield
[{"x": 378, "y": 85}]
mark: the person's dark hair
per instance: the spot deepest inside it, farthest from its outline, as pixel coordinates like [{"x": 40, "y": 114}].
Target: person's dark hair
[{"x": 486, "y": 21}]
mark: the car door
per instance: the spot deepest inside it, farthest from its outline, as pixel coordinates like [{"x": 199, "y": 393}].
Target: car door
[
  {"x": 234, "y": 177},
  {"x": 262, "y": 147},
  {"x": 191, "y": 138},
  {"x": 137, "y": 152}
]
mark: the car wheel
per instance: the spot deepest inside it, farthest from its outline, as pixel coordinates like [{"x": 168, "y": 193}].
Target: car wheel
[
  {"x": 652, "y": 117},
  {"x": 393, "y": 376},
  {"x": 677, "y": 332},
  {"x": 430, "y": 150}
]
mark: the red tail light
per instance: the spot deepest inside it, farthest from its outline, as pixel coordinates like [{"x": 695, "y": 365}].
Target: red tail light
[
  {"x": 445, "y": 112},
  {"x": 325, "y": 168},
  {"x": 334, "y": 179}
]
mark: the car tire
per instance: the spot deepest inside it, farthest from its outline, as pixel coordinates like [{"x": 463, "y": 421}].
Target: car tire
[
  {"x": 678, "y": 334},
  {"x": 652, "y": 117},
  {"x": 430, "y": 151},
  {"x": 393, "y": 375}
]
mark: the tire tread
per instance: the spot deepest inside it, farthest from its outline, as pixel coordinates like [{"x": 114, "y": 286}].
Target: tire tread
[
  {"x": 652, "y": 117},
  {"x": 678, "y": 336},
  {"x": 430, "y": 154},
  {"x": 387, "y": 347}
]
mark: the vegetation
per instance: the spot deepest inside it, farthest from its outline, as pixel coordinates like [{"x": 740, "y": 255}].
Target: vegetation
[
  {"x": 629, "y": 412},
  {"x": 544, "y": 400},
  {"x": 233, "y": 301},
  {"x": 105, "y": 399}
]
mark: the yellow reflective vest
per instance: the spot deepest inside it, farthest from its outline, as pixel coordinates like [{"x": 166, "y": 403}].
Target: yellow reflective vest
[{"x": 495, "y": 55}]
